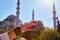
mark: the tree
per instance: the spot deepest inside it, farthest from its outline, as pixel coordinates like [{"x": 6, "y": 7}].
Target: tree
[
  {"x": 48, "y": 34},
  {"x": 57, "y": 37}
]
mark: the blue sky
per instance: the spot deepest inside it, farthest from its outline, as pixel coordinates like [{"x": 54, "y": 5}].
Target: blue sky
[{"x": 42, "y": 11}]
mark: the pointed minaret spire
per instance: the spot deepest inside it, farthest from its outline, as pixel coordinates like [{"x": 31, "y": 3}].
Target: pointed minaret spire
[
  {"x": 17, "y": 13},
  {"x": 54, "y": 14},
  {"x": 33, "y": 15},
  {"x": 54, "y": 5}
]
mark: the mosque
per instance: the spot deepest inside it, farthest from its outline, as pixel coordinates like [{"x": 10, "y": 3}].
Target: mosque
[{"x": 15, "y": 22}]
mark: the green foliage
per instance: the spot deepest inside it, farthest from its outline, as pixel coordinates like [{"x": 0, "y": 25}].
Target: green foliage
[
  {"x": 49, "y": 34},
  {"x": 57, "y": 37}
]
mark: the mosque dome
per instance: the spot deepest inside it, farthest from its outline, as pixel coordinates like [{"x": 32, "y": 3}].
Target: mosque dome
[{"x": 10, "y": 18}]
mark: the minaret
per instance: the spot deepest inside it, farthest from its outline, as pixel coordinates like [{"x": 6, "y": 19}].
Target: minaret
[
  {"x": 57, "y": 21},
  {"x": 17, "y": 13},
  {"x": 54, "y": 14},
  {"x": 58, "y": 25},
  {"x": 33, "y": 15}
]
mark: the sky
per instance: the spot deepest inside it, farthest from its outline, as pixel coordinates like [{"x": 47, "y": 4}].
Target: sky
[{"x": 42, "y": 9}]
